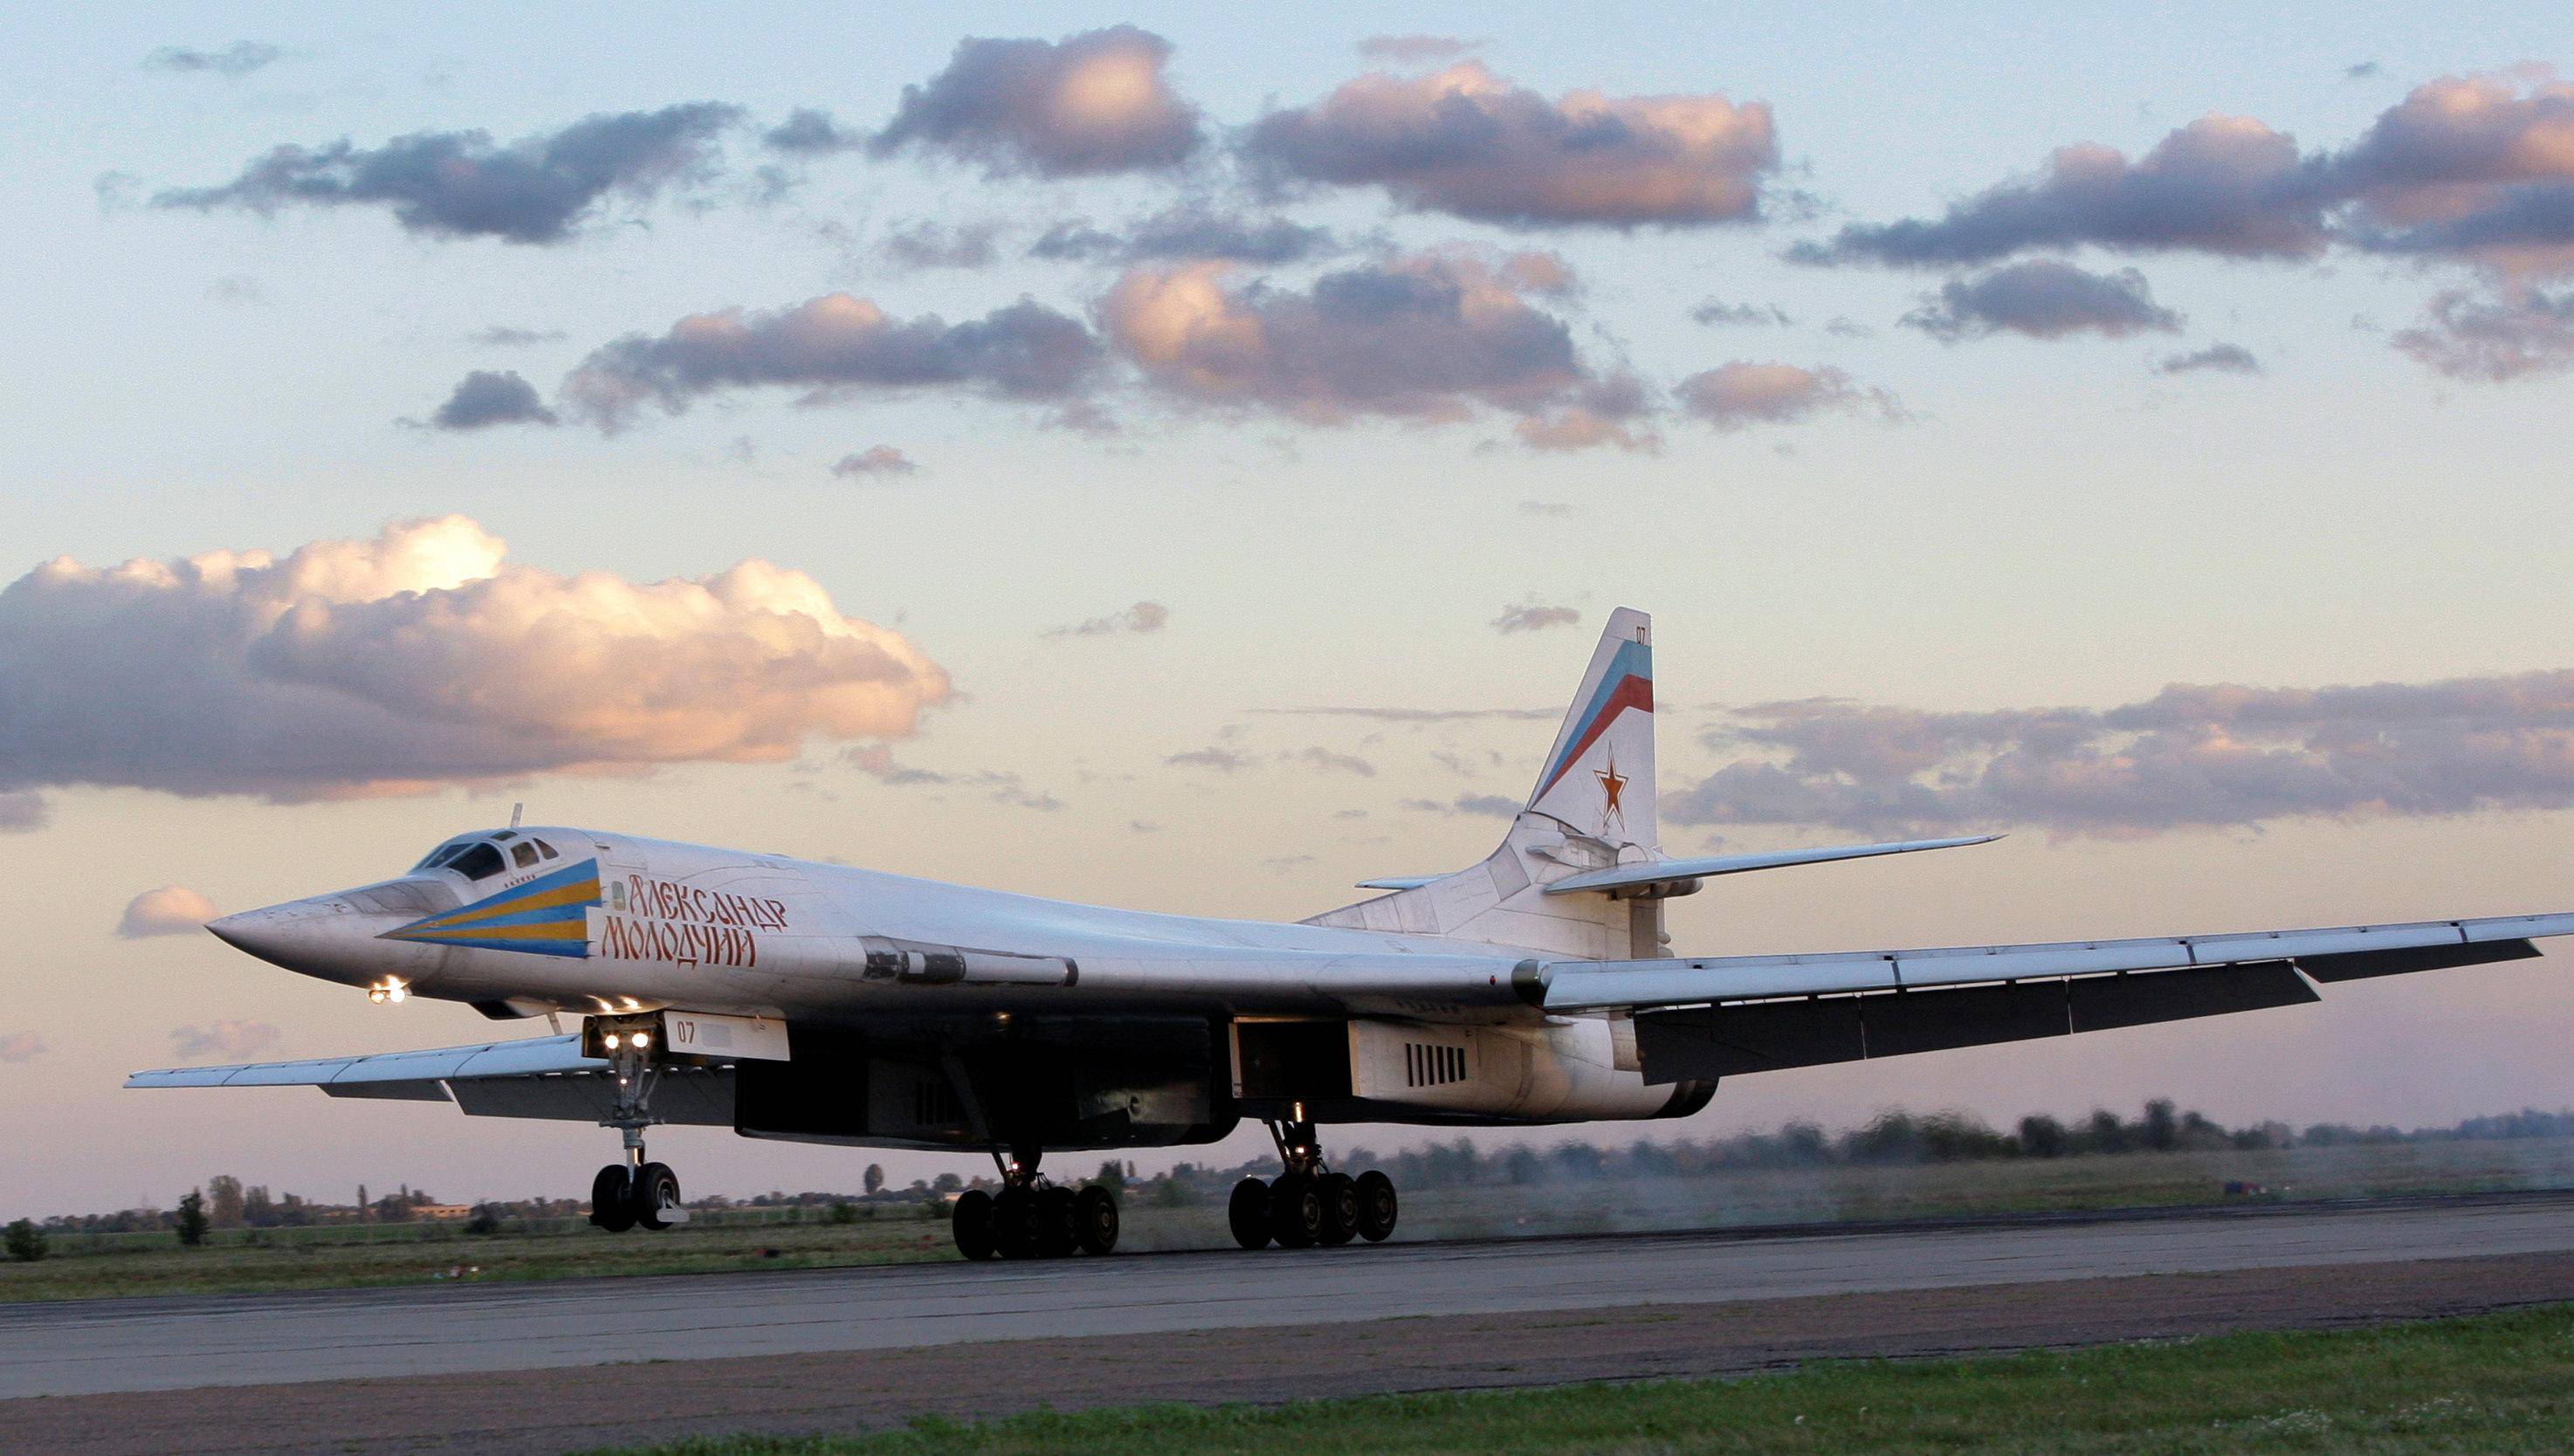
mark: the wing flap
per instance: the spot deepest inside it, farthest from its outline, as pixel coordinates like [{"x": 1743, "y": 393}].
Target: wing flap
[{"x": 1732, "y": 1041}]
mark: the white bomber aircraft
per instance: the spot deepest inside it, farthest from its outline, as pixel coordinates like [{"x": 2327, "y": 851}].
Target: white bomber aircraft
[{"x": 821, "y": 1003}]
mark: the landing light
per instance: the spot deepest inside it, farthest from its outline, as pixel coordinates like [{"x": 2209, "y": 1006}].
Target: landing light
[
  {"x": 390, "y": 991},
  {"x": 614, "y": 1040},
  {"x": 643, "y": 1040}
]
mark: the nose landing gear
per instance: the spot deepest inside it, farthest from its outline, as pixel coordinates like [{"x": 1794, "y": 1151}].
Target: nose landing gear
[
  {"x": 635, "y": 1192},
  {"x": 1308, "y": 1203}
]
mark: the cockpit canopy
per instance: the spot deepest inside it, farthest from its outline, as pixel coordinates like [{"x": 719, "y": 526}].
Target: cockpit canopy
[{"x": 485, "y": 853}]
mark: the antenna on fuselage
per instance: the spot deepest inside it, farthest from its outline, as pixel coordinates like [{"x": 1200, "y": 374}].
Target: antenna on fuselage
[{"x": 515, "y": 811}]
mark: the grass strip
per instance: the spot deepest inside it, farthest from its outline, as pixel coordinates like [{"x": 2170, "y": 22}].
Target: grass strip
[{"x": 2484, "y": 1383}]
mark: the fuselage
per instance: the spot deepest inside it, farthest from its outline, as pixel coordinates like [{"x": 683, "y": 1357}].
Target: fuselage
[{"x": 595, "y": 921}]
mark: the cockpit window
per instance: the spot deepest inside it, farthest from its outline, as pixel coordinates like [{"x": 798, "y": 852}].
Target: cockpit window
[
  {"x": 478, "y": 862},
  {"x": 545, "y": 849},
  {"x": 441, "y": 855},
  {"x": 523, "y": 855},
  {"x": 506, "y": 834}
]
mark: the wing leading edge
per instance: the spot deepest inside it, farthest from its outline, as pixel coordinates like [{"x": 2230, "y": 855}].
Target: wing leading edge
[{"x": 1740, "y": 1013}]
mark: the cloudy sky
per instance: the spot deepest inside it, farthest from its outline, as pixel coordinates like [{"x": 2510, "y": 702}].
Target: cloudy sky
[{"x": 1180, "y": 460}]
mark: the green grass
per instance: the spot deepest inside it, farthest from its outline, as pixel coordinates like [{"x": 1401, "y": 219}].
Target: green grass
[
  {"x": 90, "y": 1266},
  {"x": 2491, "y": 1383}
]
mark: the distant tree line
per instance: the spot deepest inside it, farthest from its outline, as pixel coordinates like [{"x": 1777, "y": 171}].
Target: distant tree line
[
  {"x": 1894, "y": 1139},
  {"x": 1900, "y": 1139}
]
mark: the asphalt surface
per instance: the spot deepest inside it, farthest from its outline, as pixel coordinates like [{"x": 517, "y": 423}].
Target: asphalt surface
[{"x": 251, "y": 1340}]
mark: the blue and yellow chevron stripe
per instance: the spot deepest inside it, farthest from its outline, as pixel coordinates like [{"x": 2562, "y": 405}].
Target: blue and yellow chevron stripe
[{"x": 548, "y": 915}]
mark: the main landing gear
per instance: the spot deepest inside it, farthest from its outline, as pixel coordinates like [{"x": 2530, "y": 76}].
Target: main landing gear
[
  {"x": 1032, "y": 1217},
  {"x": 1310, "y": 1205},
  {"x": 635, "y": 1192}
]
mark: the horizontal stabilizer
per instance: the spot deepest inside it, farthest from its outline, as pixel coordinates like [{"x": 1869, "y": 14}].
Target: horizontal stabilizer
[
  {"x": 1401, "y": 882},
  {"x": 1672, "y": 872}
]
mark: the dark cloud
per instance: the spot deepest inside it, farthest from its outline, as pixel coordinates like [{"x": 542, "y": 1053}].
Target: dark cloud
[
  {"x": 882, "y": 460},
  {"x": 460, "y": 185},
  {"x": 2190, "y": 757},
  {"x": 2479, "y": 167},
  {"x": 926, "y": 244},
  {"x": 502, "y": 335},
  {"x": 222, "y": 1039},
  {"x": 491, "y": 397},
  {"x": 1090, "y": 104},
  {"x": 2225, "y": 358},
  {"x": 2361, "y": 71},
  {"x": 2042, "y": 298},
  {"x": 1190, "y": 232},
  {"x": 23, "y": 813},
  {"x": 1426, "y": 337},
  {"x": 1716, "y": 312},
  {"x": 238, "y": 59},
  {"x": 2475, "y": 170},
  {"x": 2224, "y": 184},
  {"x": 1465, "y": 143},
  {"x": 1607, "y": 412},
  {"x": 1141, "y": 618},
  {"x": 1222, "y": 760},
  {"x": 1744, "y": 393},
  {"x": 830, "y": 345},
  {"x": 807, "y": 132},
  {"x": 420, "y": 658},
  {"x": 2494, "y": 337},
  {"x": 1531, "y": 617},
  {"x": 1413, "y": 49},
  {"x": 1329, "y": 762}
]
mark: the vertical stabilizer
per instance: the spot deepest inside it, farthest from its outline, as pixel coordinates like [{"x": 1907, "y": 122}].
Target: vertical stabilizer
[
  {"x": 1599, "y": 777},
  {"x": 1592, "y": 807}
]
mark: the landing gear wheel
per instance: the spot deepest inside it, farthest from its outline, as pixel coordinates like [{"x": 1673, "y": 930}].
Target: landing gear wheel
[
  {"x": 972, "y": 1222},
  {"x": 1248, "y": 1212},
  {"x": 1340, "y": 1197},
  {"x": 1056, "y": 1233},
  {"x": 1295, "y": 1212},
  {"x": 609, "y": 1208},
  {"x": 1014, "y": 1225},
  {"x": 1094, "y": 1219},
  {"x": 1376, "y": 1205},
  {"x": 655, "y": 1197}
]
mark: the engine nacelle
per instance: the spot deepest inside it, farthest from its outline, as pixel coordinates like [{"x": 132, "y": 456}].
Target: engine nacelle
[{"x": 1576, "y": 1069}]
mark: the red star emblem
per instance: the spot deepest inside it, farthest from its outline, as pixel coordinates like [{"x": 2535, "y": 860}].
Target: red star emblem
[{"x": 1612, "y": 788}]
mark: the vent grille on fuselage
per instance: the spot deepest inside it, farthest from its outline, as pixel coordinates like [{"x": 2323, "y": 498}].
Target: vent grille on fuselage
[{"x": 1424, "y": 1064}]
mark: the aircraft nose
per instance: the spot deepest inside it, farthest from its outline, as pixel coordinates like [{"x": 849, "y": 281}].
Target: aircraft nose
[{"x": 314, "y": 935}]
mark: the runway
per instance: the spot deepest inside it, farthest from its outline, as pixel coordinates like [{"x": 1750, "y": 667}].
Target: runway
[{"x": 253, "y": 1340}]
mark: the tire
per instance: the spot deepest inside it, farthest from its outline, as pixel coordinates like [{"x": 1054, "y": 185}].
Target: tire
[
  {"x": 608, "y": 1206},
  {"x": 1094, "y": 1219},
  {"x": 1248, "y": 1212},
  {"x": 1295, "y": 1212},
  {"x": 1057, "y": 1233},
  {"x": 654, "y": 1196},
  {"x": 1376, "y": 1205},
  {"x": 972, "y": 1222},
  {"x": 1340, "y": 1209},
  {"x": 1014, "y": 1229}
]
